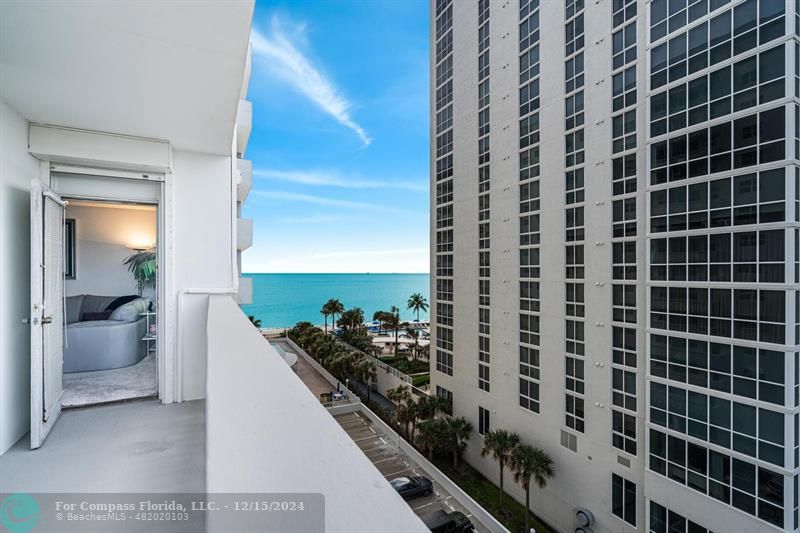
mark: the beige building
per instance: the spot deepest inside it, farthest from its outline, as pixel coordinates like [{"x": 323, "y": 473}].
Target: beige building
[{"x": 614, "y": 252}]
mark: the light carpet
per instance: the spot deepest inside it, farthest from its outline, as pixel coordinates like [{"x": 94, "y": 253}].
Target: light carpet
[{"x": 102, "y": 386}]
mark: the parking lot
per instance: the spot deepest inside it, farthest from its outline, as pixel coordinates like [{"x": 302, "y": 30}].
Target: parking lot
[{"x": 392, "y": 463}]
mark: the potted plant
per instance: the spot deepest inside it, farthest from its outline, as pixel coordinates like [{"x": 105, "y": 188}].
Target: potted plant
[{"x": 143, "y": 266}]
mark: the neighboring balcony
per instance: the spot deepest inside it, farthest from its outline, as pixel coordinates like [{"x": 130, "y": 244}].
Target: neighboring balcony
[
  {"x": 244, "y": 233},
  {"x": 245, "y": 291},
  {"x": 245, "y": 179},
  {"x": 244, "y": 123}
]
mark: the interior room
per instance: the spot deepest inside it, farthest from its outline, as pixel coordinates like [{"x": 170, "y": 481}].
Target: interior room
[{"x": 110, "y": 302}]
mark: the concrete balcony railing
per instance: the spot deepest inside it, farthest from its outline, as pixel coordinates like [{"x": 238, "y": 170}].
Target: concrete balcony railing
[
  {"x": 244, "y": 123},
  {"x": 244, "y": 233},
  {"x": 268, "y": 434},
  {"x": 245, "y": 182}
]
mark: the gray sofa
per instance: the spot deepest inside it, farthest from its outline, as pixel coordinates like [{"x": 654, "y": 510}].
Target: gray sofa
[{"x": 114, "y": 342}]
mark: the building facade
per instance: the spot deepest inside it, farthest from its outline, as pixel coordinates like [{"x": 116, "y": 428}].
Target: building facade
[{"x": 614, "y": 250}]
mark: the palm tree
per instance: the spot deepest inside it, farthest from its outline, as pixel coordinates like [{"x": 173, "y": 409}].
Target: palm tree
[
  {"x": 335, "y": 308},
  {"x": 256, "y": 321},
  {"x": 378, "y": 317},
  {"x": 394, "y": 323},
  {"x": 414, "y": 334},
  {"x": 457, "y": 432},
  {"x": 418, "y": 303},
  {"x": 500, "y": 444},
  {"x": 431, "y": 434},
  {"x": 365, "y": 371},
  {"x": 351, "y": 320},
  {"x": 325, "y": 311},
  {"x": 530, "y": 463}
]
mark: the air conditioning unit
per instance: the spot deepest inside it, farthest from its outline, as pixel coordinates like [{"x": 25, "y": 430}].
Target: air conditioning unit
[{"x": 584, "y": 518}]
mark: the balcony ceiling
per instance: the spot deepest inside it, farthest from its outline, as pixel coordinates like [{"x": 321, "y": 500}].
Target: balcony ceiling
[{"x": 169, "y": 70}]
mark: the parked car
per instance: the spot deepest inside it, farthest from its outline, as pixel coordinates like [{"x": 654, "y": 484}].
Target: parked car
[
  {"x": 413, "y": 486},
  {"x": 444, "y": 522}
]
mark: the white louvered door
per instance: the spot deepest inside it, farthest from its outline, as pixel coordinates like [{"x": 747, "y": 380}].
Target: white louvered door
[{"x": 47, "y": 310}]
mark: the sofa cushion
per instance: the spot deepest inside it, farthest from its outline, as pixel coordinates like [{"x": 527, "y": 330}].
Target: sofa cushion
[
  {"x": 96, "y": 304},
  {"x": 121, "y": 301},
  {"x": 103, "y": 315},
  {"x": 130, "y": 311},
  {"x": 73, "y": 304}
]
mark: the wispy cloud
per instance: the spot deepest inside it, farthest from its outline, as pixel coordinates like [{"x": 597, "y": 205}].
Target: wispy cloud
[
  {"x": 335, "y": 179},
  {"x": 329, "y": 202},
  {"x": 298, "y": 70}
]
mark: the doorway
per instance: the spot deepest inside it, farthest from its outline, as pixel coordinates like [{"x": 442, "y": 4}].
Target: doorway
[
  {"x": 110, "y": 302},
  {"x": 51, "y": 265}
]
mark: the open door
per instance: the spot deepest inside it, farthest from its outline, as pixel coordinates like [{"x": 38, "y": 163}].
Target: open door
[{"x": 47, "y": 309}]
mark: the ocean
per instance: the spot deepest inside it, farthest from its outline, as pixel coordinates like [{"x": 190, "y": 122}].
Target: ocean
[{"x": 282, "y": 300}]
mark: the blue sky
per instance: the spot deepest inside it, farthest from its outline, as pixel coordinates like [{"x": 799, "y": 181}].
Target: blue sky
[{"x": 340, "y": 137}]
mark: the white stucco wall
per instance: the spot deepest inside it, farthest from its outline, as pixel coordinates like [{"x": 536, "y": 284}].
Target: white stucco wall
[
  {"x": 202, "y": 211},
  {"x": 17, "y": 168},
  {"x": 102, "y": 236}
]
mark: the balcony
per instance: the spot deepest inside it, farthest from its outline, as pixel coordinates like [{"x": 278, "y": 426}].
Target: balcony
[
  {"x": 244, "y": 233},
  {"x": 267, "y": 433},
  {"x": 245, "y": 291},
  {"x": 245, "y": 179},
  {"x": 129, "y": 447},
  {"x": 244, "y": 123}
]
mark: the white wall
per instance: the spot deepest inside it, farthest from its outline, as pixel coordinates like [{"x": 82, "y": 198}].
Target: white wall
[
  {"x": 203, "y": 254},
  {"x": 102, "y": 236},
  {"x": 17, "y": 168}
]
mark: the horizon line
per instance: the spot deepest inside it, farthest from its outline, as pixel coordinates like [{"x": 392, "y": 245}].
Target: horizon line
[{"x": 347, "y": 273}]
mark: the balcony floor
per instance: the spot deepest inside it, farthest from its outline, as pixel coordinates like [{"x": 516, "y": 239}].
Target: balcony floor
[{"x": 140, "y": 446}]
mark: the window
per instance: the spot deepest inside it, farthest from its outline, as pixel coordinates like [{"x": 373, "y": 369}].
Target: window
[
  {"x": 574, "y": 412},
  {"x": 622, "y": 11},
  {"x": 623, "y": 499},
  {"x": 624, "y": 174},
  {"x": 624, "y": 346},
  {"x": 529, "y": 329},
  {"x": 624, "y": 260},
  {"x": 742, "y": 257},
  {"x": 573, "y": 35},
  {"x": 623, "y": 89},
  {"x": 574, "y": 260},
  {"x": 624, "y": 46},
  {"x": 662, "y": 520},
  {"x": 729, "y": 33},
  {"x": 574, "y": 73},
  {"x": 747, "y": 83},
  {"x": 623, "y": 300},
  {"x": 757, "y": 314},
  {"x": 483, "y": 421},
  {"x": 444, "y": 363},
  {"x": 755, "y": 432},
  {"x": 624, "y": 218},
  {"x": 529, "y": 296},
  {"x": 741, "y": 200},
  {"x": 750, "y": 488},
  {"x": 574, "y": 186},
  {"x": 529, "y": 378},
  {"x": 447, "y": 396},
  {"x": 744, "y": 371},
  {"x": 623, "y": 131},
  {"x": 623, "y": 431},
  {"x": 574, "y": 337}
]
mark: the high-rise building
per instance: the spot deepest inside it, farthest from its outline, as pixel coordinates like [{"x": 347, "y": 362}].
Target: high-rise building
[{"x": 615, "y": 252}]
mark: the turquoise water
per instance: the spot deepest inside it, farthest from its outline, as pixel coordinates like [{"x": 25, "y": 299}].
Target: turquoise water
[{"x": 282, "y": 300}]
